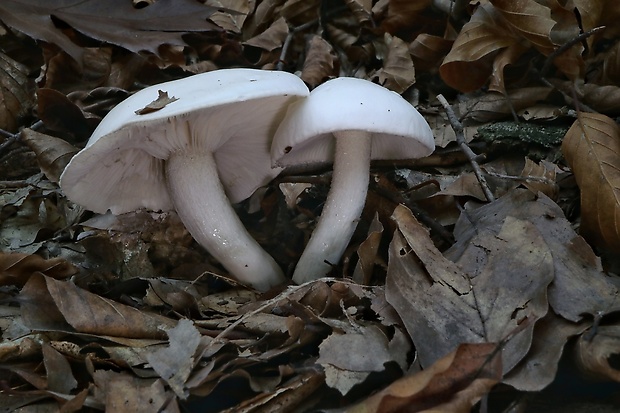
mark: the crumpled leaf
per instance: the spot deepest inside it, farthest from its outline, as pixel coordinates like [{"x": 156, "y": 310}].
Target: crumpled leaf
[
  {"x": 592, "y": 149},
  {"x": 113, "y": 21},
  {"x": 452, "y": 384},
  {"x": 496, "y": 292}
]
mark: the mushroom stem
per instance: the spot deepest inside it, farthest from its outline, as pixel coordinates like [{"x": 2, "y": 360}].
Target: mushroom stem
[
  {"x": 206, "y": 212},
  {"x": 343, "y": 207}
]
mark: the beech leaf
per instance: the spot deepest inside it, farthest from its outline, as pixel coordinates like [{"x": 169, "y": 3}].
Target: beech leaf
[{"x": 592, "y": 149}]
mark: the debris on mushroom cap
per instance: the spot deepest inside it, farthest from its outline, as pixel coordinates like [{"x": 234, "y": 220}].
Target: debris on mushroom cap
[
  {"x": 121, "y": 168},
  {"x": 305, "y": 134}
]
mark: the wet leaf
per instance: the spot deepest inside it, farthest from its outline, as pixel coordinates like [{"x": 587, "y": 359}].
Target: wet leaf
[{"x": 592, "y": 149}]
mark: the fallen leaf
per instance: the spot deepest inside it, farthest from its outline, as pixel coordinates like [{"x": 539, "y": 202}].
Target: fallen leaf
[
  {"x": 53, "y": 154},
  {"x": 592, "y": 149},
  {"x": 16, "y": 269},
  {"x": 397, "y": 72},
  {"x": 15, "y": 96},
  {"x": 596, "y": 350},
  {"x": 497, "y": 291},
  {"x": 453, "y": 384},
  {"x": 115, "y": 21},
  {"x": 161, "y": 102},
  {"x": 50, "y": 305},
  {"x": 319, "y": 62}
]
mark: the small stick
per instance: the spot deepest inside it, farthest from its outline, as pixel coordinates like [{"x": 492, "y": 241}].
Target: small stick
[
  {"x": 12, "y": 138},
  {"x": 457, "y": 126}
]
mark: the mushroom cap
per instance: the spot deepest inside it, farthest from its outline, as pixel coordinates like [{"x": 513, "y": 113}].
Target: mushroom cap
[
  {"x": 305, "y": 135},
  {"x": 231, "y": 112}
]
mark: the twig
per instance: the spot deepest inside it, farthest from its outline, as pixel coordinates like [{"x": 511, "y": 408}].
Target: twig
[
  {"x": 457, "y": 126},
  {"x": 294, "y": 30},
  {"x": 577, "y": 39},
  {"x": 12, "y": 138}
]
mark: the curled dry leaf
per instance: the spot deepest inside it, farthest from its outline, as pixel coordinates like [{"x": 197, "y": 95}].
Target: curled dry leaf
[
  {"x": 319, "y": 63},
  {"x": 427, "y": 50},
  {"x": 540, "y": 177},
  {"x": 595, "y": 351},
  {"x": 16, "y": 269},
  {"x": 401, "y": 14},
  {"x": 59, "y": 114},
  {"x": 53, "y": 154},
  {"x": 15, "y": 98},
  {"x": 530, "y": 19},
  {"x": 397, "y": 73},
  {"x": 592, "y": 149},
  {"x": 452, "y": 384},
  {"x": 468, "y": 65}
]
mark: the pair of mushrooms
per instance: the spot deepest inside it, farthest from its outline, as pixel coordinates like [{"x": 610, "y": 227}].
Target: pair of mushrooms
[{"x": 231, "y": 131}]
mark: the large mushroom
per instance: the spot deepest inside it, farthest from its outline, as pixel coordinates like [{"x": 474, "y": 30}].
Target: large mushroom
[
  {"x": 346, "y": 121},
  {"x": 207, "y": 147}
]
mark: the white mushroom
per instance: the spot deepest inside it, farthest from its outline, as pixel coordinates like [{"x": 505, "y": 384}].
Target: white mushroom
[
  {"x": 197, "y": 154},
  {"x": 347, "y": 121}
]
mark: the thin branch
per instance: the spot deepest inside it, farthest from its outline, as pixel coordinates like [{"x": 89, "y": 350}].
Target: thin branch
[
  {"x": 577, "y": 39},
  {"x": 12, "y": 138},
  {"x": 457, "y": 126}
]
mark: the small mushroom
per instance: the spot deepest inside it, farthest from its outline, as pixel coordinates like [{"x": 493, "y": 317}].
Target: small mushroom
[
  {"x": 346, "y": 121},
  {"x": 206, "y": 146}
]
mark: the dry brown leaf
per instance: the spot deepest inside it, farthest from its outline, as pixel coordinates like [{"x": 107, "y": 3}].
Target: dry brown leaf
[
  {"x": 494, "y": 105},
  {"x": 16, "y": 269},
  {"x": 402, "y": 14},
  {"x": 530, "y": 19},
  {"x": 175, "y": 363},
  {"x": 596, "y": 350},
  {"x": 592, "y": 149},
  {"x": 59, "y": 376},
  {"x": 507, "y": 56},
  {"x": 550, "y": 336},
  {"x": 540, "y": 177},
  {"x": 59, "y": 114},
  {"x": 580, "y": 287},
  {"x": 48, "y": 304},
  {"x": 349, "y": 358},
  {"x": 122, "y": 392},
  {"x": 272, "y": 38},
  {"x": 452, "y": 384},
  {"x": 469, "y": 64},
  {"x": 299, "y": 12},
  {"x": 15, "y": 98},
  {"x": 53, "y": 154},
  {"x": 319, "y": 63},
  {"x": 367, "y": 252},
  {"x": 428, "y": 50},
  {"x": 161, "y": 102},
  {"x": 495, "y": 291},
  {"x": 233, "y": 15},
  {"x": 397, "y": 73},
  {"x": 115, "y": 21}
]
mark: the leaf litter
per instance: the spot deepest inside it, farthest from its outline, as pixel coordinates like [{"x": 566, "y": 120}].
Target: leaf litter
[{"x": 448, "y": 300}]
